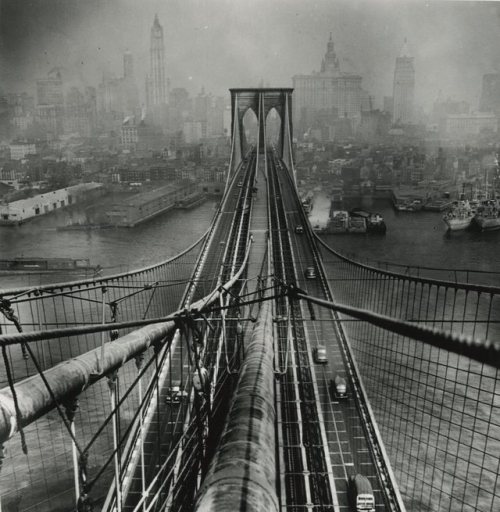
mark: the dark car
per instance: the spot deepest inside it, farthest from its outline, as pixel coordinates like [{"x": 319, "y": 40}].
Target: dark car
[
  {"x": 299, "y": 229},
  {"x": 175, "y": 394}
]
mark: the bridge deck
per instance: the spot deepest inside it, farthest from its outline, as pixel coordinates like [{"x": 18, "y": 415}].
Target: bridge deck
[{"x": 348, "y": 445}]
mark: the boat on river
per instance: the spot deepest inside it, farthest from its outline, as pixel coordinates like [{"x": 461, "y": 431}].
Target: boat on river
[
  {"x": 43, "y": 265},
  {"x": 355, "y": 221},
  {"x": 460, "y": 215},
  {"x": 374, "y": 221},
  {"x": 338, "y": 222},
  {"x": 487, "y": 217},
  {"x": 83, "y": 227}
]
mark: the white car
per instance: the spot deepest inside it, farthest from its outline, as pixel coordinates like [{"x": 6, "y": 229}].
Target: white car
[
  {"x": 338, "y": 387},
  {"x": 310, "y": 273},
  {"x": 320, "y": 356}
]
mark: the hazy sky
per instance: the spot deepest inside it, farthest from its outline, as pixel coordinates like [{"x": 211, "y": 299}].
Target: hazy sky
[{"x": 235, "y": 43}]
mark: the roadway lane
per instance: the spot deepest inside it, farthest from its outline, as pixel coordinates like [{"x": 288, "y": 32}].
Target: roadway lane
[
  {"x": 347, "y": 440},
  {"x": 167, "y": 418}
]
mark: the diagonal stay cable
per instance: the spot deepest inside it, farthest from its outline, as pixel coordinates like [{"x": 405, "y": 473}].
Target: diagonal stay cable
[
  {"x": 149, "y": 391},
  {"x": 25, "y": 337},
  {"x": 483, "y": 351},
  {"x": 124, "y": 397}
]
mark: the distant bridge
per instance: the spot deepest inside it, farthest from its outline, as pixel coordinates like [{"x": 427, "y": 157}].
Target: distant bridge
[{"x": 197, "y": 384}]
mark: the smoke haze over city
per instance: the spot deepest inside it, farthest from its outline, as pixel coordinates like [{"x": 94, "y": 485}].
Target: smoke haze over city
[{"x": 221, "y": 44}]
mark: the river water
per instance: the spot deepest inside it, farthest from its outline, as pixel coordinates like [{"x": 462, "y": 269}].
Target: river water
[
  {"x": 114, "y": 249},
  {"x": 420, "y": 239}
]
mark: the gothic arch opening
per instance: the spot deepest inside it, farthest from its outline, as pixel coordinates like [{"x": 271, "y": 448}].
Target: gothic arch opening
[
  {"x": 273, "y": 127},
  {"x": 250, "y": 125}
]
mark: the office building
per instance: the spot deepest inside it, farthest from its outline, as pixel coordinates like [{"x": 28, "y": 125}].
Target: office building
[
  {"x": 328, "y": 94},
  {"x": 156, "y": 83},
  {"x": 404, "y": 88}
]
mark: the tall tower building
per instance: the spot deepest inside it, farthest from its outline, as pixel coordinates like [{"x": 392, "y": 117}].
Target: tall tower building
[
  {"x": 404, "y": 88},
  {"x": 330, "y": 63},
  {"x": 325, "y": 96},
  {"x": 50, "y": 103},
  {"x": 156, "y": 85},
  {"x": 49, "y": 90}
]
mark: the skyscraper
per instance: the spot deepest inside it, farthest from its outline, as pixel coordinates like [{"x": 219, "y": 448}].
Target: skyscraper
[
  {"x": 404, "y": 88},
  {"x": 327, "y": 94},
  {"x": 50, "y": 90},
  {"x": 50, "y": 103},
  {"x": 156, "y": 83}
]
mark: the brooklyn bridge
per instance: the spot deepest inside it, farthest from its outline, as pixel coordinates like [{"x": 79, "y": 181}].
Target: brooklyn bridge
[{"x": 259, "y": 370}]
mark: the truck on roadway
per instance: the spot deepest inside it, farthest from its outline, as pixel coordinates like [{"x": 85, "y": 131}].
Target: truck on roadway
[{"x": 361, "y": 494}]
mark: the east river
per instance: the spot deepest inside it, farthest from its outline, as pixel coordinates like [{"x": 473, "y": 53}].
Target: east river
[
  {"x": 418, "y": 239},
  {"x": 115, "y": 250},
  {"x": 421, "y": 239}
]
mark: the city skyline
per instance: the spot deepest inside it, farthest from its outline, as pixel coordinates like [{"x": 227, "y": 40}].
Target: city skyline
[{"x": 221, "y": 45}]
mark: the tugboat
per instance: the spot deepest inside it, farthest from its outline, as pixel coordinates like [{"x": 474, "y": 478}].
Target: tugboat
[{"x": 374, "y": 221}]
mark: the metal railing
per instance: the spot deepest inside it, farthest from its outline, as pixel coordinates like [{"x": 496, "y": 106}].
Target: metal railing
[
  {"x": 43, "y": 477},
  {"x": 438, "y": 411}
]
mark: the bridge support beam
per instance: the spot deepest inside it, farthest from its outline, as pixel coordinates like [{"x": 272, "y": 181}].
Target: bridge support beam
[
  {"x": 261, "y": 102},
  {"x": 243, "y": 470}
]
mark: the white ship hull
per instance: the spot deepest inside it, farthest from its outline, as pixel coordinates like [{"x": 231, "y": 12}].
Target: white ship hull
[
  {"x": 459, "y": 217},
  {"x": 487, "y": 223},
  {"x": 458, "y": 224}
]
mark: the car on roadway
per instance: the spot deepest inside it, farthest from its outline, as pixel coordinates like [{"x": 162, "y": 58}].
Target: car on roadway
[
  {"x": 320, "y": 356},
  {"x": 175, "y": 394},
  {"x": 338, "y": 387},
  {"x": 299, "y": 229},
  {"x": 310, "y": 272}
]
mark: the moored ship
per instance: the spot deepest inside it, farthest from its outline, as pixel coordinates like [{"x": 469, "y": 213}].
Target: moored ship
[
  {"x": 356, "y": 225},
  {"x": 487, "y": 218},
  {"x": 42, "y": 265},
  {"x": 460, "y": 216},
  {"x": 339, "y": 222},
  {"x": 374, "y": 221},
  {"x": 355, "y": 221}
]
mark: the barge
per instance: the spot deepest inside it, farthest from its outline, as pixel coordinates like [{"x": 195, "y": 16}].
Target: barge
[
  {"x": 42, "y": 265},
  {"x": 355, "y": 221}
]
